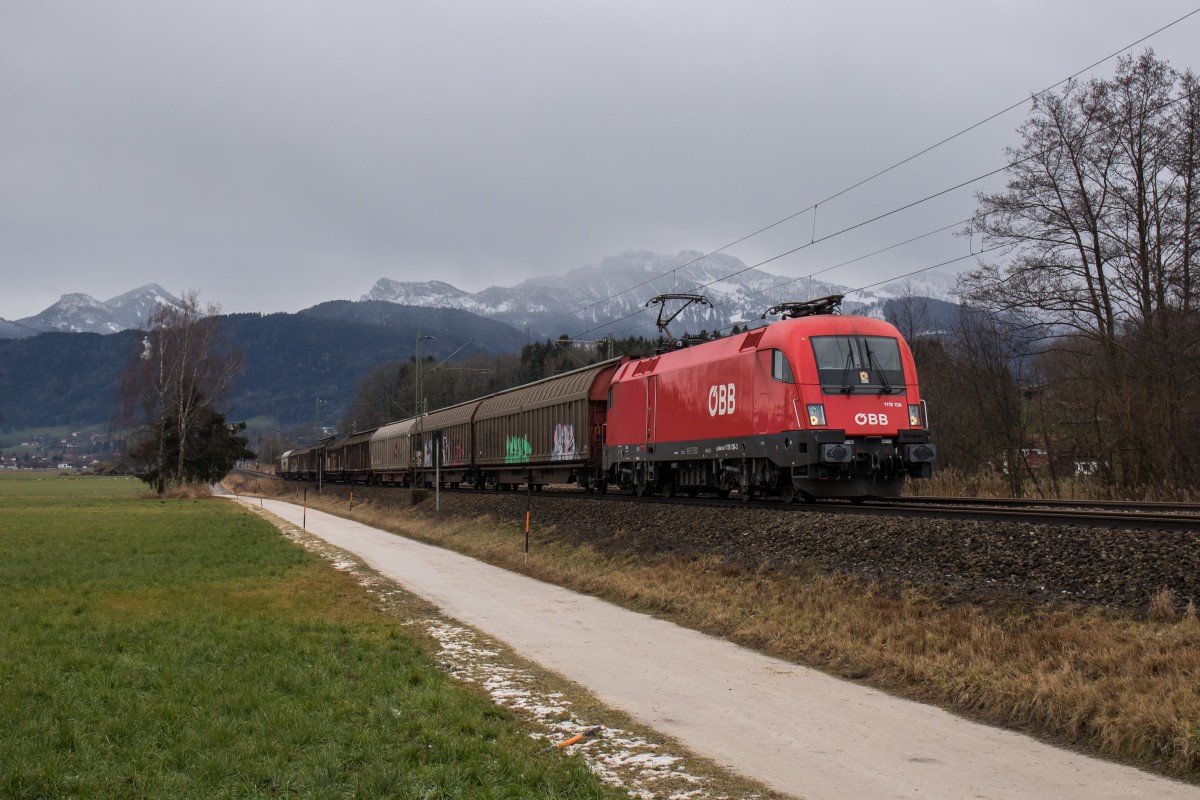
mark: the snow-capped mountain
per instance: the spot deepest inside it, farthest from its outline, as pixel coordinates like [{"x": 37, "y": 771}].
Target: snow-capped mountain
[
  {"x": 591, "y": 302},
  {"x": 133, "y": 308},
  {"x": 81, "y": 313}
]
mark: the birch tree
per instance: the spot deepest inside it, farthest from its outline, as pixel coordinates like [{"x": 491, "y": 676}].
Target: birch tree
[{"x": 182, "y": 369}]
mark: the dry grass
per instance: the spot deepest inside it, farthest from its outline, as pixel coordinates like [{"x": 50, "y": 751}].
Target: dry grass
[
  {"x": 951, "y": 482},
  {"x": 1115, "y": 684},
  {"x": 187, "y": 491}
]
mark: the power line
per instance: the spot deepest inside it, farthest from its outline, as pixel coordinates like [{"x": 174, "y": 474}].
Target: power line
[
  {"x": 883, "y": 172},
  {"x": 856, "y": 259},
  {"x": 1009, "y": 165}
]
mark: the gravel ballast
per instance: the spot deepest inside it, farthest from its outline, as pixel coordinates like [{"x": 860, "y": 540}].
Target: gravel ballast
[{"x": 962, "y": 560}]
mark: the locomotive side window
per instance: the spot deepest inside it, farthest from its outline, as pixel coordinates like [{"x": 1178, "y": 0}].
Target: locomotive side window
[
  {"x": 781, "y": 370},
  {"x": 848, "y": 364}
]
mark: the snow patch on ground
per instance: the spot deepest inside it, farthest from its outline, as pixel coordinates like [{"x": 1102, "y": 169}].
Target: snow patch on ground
[{"x": 619, "y": 757}]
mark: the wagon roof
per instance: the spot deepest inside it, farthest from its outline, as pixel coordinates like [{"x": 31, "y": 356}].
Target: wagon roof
[
  {"x": 394, "y": 429},
  {"x": 454, "y": 415},
  {"x": 360, "y": 436},
  {"x": 575, "y": 385}
]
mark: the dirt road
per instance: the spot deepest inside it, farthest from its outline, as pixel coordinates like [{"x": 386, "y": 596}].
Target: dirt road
[{"x": 794, "y": 729}]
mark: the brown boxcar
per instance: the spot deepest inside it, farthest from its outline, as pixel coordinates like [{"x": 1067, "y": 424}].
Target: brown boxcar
[
  {"x": 545, "y": 432},
  {"x": 392, "y": 453},
  {"x": 453, "y": 426},
  {"x": 356, "y": 457}
]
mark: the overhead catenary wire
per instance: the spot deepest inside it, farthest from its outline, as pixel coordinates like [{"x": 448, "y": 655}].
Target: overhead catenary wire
[
  {"x": 882, "y": 172},
  {"x": 856, "y": 259},
  {"x": 1031, "y": 157}
]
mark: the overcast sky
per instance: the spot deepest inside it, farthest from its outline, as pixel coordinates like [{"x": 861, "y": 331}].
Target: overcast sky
[{"x": 273, "y": 155}]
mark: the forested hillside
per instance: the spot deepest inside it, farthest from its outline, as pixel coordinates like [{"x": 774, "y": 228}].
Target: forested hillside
[{"x": 291, "y": 361}]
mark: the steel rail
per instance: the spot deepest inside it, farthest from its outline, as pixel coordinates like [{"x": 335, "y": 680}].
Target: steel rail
[{"x": 1179, "y": 517}]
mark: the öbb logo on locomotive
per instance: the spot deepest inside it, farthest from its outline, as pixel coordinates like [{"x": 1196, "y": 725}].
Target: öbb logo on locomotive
[
  {"x": 870, "y": 419},
  {"x": 722, "y": 399}
]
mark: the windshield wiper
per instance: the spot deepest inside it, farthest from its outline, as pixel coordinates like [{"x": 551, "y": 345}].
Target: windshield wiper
[
  {"x": 885, "y": 386},
  {"x": 846, "y": 387}
]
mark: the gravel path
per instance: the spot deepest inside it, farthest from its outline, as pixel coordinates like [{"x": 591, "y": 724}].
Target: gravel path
[{"x": 795, "y": 729}]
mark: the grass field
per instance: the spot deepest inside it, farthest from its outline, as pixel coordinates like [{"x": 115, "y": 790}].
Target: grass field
[{"x": 181, "y": 648}]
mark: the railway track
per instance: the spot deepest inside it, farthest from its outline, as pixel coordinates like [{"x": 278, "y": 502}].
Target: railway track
[
  {"x": 1180, "y": 517},
  {"x": 1113, "y": 515},
  {"x": 967, "y": 548}
]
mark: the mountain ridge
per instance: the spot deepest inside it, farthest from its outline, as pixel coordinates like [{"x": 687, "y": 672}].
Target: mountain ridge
[
  {"x": 609, "y": 298},
  {"x": 597, "y": 295},
  {"x": 81, "y": 313}
]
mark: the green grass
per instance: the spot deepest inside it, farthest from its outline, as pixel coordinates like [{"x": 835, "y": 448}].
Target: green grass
[{"x": 181, "y": 648}]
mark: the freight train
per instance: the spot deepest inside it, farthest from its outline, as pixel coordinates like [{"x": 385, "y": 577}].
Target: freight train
[{"x": 814, "y": 405}]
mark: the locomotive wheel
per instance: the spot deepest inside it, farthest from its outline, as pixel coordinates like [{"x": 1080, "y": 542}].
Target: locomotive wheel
[
  {"x": 746, "y": 494},
  {"x": 668, "y": 489},
  {"x": 787, "y": 492}
]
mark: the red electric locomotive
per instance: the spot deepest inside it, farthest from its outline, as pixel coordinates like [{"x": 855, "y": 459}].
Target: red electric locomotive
[{"x": 816, "y": 405}]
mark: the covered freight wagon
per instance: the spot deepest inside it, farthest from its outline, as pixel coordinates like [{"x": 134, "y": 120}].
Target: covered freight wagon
[
  {"x": 545, "y": 432},
  {"x": 392, "y": 453},
  {"x": 451, "y": 427}
]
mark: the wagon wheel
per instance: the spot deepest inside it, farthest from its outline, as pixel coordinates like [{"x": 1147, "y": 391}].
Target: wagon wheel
[
  {"x": 602, "y": 486},
  {"x": 723, "y": 493},
  {"x": 746, "y": 493},
  {"x": 691, "y": 491},
  {"x": 668, "y": 488},
  {"x": 787, "y": 492}
]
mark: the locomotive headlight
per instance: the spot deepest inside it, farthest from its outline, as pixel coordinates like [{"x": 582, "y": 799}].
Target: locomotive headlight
[
  {"x": 816, "y": 414},
  {"x": 914, "y": 417}
]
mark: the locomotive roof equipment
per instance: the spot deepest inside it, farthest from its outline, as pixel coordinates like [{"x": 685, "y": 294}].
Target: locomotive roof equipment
[
  {"x": 661, "y": 302},
  {"x": 806, "y": 308}
]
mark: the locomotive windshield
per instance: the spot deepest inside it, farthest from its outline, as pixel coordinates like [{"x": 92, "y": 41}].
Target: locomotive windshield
[{"x": 849, "y": 364}]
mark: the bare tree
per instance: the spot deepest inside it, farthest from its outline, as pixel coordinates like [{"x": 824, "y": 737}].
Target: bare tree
[
  {"x": 182, "y": 369},
  {"x": 1099, "y": 221}
]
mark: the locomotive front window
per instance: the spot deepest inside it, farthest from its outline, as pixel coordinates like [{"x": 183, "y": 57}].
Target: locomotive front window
[
  {"x": 883, "y": 356},
  {"x": 848, "y": 364}
]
